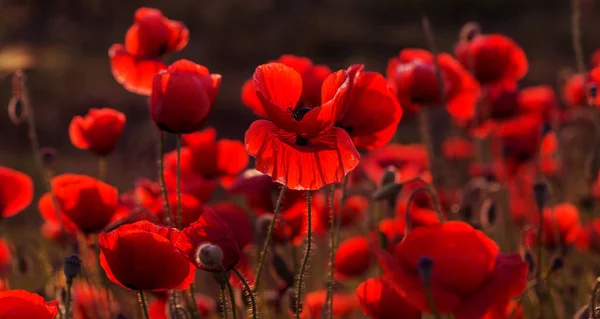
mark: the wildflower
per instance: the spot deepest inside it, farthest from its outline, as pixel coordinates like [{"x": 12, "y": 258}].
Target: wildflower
[
  {"x": 16, "y": 191},
  {"x": 353, "y": 258},
  {"x": 17, "y": 304},
  {"x": 98, "y": 131},
  {"x": 379, "y": 300}
]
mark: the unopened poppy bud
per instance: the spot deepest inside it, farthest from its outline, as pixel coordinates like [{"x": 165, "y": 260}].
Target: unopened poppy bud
[
  {"x": 48, "y": 155},
  {"x": 389, "y": 176},
  {"x": 210, "y": 256},
  {"x": 557, "y": 263},
  {"x": 72, "y": 267},
  {"x": 540, "y": 193},
  {"x": 469, "y": 31},
  {"x": 530, "y": 261},
  {"x": 424, "y": 267}
]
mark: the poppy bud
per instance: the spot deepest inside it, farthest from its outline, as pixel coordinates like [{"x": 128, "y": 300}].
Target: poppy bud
[
  {"x": 540, "y": 193},
  {"x": 424, "y": 267},
  {"x": 389, "y": 176},
  {"x": 182, "y": 97},
  {"x": 210, "y": 256},
  {"x": 48, "y": 155},
  {"x": 557, "y": 263},
  {"x": 72, "y": 267}
]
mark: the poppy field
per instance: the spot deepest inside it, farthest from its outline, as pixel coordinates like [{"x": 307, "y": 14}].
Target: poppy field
[{"x": 442, "y": 186}]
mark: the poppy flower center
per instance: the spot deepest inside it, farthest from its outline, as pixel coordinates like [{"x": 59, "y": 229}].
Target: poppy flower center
[{"x": 300, "y": 110}]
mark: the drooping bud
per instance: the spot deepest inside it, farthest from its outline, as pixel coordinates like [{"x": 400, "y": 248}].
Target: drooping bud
[
  {"x": 209, "y": 255},
  {"x": 389, "y": 176},
  {"x": 71, "y": 268},
  {"x": 425, "y": 267}
]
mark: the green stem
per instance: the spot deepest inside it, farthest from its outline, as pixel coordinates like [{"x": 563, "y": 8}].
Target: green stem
[
  {"x": 306, "y": 254},
  {"x": 68, "y": 299},
  {"x": 332, "y": 229},
  {"x": 231, "y": 296},
  {"x": 194, "y": 305},
  {"x": 224, "y": 303},
  {"x": 179, "y": 221},
  {"x": 267, "y": 242},
  {"x": 163, "y": 184},
  {"x": 143, "y": 306},
  {"x": 248, "y": 290},
  {"x": 593, "y": 301},
  {"x": 102, "y": 168}
]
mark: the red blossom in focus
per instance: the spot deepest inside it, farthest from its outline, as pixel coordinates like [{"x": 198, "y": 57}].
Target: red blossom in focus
[
  {"x": 412, "y": 76},
  {"x": 141, "y": 256},
  {"x": 353, "y": 208},
  {"x": 410, "y": 161},
  {"x": 85, "y": 202},
  {"x": 21, "y": 304},
  {"x": 312, "y": 77},
  {"x": 299, "y": 147},
  {"x": 98, "y": 131},
  {"x": 493, "y": 58},
  {"x": 469, "y": 276},
  {"x": 372, "y": 112},
  {"x": 379, "y": 300},
  {"x": 344, "y": 304},
  {"x": 16, "y": 191},
  {"x": 183, "y": 96},
  {"x": 152, "y": 35},
  {"x": 352, "y": 258},
  {"x": 209, "y": 238}
]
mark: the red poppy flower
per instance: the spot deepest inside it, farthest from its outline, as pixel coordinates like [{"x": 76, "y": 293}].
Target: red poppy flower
[
  {"x": 146, "y": 192},
  {"x": 209, "y": 243},
  {"x": 352, "y": 210},
  {"x": 85, "y": 201},
  {"x": 89, "y": 301},
  {"x": 191, "y": 182},
  {"x": 379, "y": 300},
  {"x": 159, "y": 307},
  {"x": 410, "y": 161},
  {"x": 238, "y": 220},
  {"x": 493, "y": 58},
  {"x": 300, "y": 148},
  {"x": 5, "y": 256},
  {"x": 372, "y": 112},
  {"x": 413, "y": 78},
  {"x": 574, "y": 90},
  {"x": 468, "y": 274},
  {"x": 191, "y": 209},
  {"x": 151, "y": 36},
  {"x": 48, "y": 212},
  {"x": 353, "y": 258},
  {"x": 182, "y": 96},
  {"x": 421, "y": 211},
  {"x": 344, "y": 304},
  {"x": 16, "y": 192},
  {"x": 140, "y": 256},
  {"x": 560, "y": 226},
  {"x": 312, "y": 78},
  {"x": 98, "y": 131},
  {"x": 19, "y": 304},
  {"x": 223, "y": 159},
  {"x": 457, "y": 148}
]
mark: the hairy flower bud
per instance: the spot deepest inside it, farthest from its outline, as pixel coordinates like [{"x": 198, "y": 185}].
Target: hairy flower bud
[
  {"x": 72, "y": 267},
  {"x": 211, "y": 256}
]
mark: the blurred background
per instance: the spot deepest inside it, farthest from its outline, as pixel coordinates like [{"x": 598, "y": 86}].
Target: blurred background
[{"x": 63, "y": 45}]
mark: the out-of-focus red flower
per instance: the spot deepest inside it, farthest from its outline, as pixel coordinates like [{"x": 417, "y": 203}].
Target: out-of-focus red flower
[
  {"x": 589, "y": 237},
  {"x": 86, "y": 202},
  {"x": 372, "y": 112},
  {"x": 410, "y": 161},
  {"x": 159, "y": 307},
  {"x": 191, "y": 182},
  {"x": 393, "y": 229},
  {"x": 141, "y": 256},
  {"x": 53, "y": 232},
  {"x": 421, "y": 212},
  {"x": 89, "y": 302},
  {"x": 215, "y": 159},
  {"x": 238, "y": 220},
  {"x": 352, "y": 258},
  {"x": 379, "y": 300},
  {"x": 344, "y": 304},
  {"x": 299, "y": 147},
  {"x": 457, "y": 148},
  {"x": 20, "y": 304},
  {"x": 574, "y": 90},
  {"x": 209, "y": 243},
  {"x": 549, "y": 163},
  {"x": 146, "y": 192},
  {"x": 182, "y": 97},
  {"x": 353, "y": 208},
  {"x": 413, "y": 78},
  {"x": 150, "y": 37},
  {"x": 312, "y": 75},
  {"x": 5, "y": 256},
  {"x": 493, "y": 58},
  {"x": 16, "y": 192},
  {"x": 98, "y": 131},
  {"x": 191, "y": 209},
  {"x": 468, "y": 275},
  {"x": 560, "y": 226}
]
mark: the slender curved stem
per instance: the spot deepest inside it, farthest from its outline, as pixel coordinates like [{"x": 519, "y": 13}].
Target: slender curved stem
[
  {"x": 232, "y": 298},
  {"x": 306, "y": 254},
  {"x": 224, "y": 314},
  {"x": 593, "y": 300},
  {"x": 179, "y": 221},
  {"x": 163, "y": 184},
  {"x": 68, "y": 299},
  {"x": 102, "y": 168},
  {"x": 143, "y": 306},
  {"x": 248, "y": 290},
  {"x": 332, "y": 231},
  {"x": 194, "y": 306},
  {"x": 576, "y": 36},
  {"x": 436, "y": 204},
  {"x": 267, "y": 242}
]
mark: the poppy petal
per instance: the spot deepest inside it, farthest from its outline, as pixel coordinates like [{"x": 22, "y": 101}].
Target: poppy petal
[
  {"x": 16, "y": 191},
  {"x": 250, "y": 99},
  {"x": 134, "y": 74}
]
